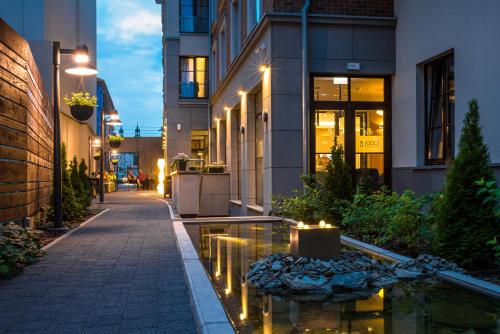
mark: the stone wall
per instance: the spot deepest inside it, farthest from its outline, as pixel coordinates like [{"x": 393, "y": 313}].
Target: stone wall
[{"x": 26, "y": 131}]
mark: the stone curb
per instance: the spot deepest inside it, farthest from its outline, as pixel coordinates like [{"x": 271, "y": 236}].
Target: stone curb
[
  {"x": 67, "y": 234},
  {"x": 210, "y": 316}
]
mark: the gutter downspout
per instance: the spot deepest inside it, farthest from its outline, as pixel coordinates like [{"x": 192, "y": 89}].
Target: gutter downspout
[{"x": 305, "y": 89}]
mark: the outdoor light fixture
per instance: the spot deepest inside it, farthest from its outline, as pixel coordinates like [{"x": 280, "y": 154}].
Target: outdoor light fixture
[
  {"x": 96, "y": 142},
  {"x": 322, "y": 224},
  {"x": 340, "y": 80},
  {"x": 263, "y": 68},
  {"x": 265, "y": 116},
  {"x": 300, "y": 225},
  {"x": 242, "y": 92},
  {"x": 81, "y": 54},
  {"x": 227, "y": 109},
  {"x": 114, "y": 120}
]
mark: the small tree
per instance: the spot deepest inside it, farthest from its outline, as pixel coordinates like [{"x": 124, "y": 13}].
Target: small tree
[
  {"x": 82, "y": 171},
  {"x": 465, "y": 222},
  {"x": 71, "y": 207},
  {"x": 77, "y": 184},
  {"x": 338, "y": 187}
]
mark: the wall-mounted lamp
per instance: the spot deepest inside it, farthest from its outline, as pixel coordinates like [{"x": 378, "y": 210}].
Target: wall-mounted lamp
[
  {"x": 242, "y": 92},
  {"x": 263, "y": 68},
  {"x": 265, "y": 116},
  {"x": 227, "y": 109},
  {"x": 179, "y": 127},
  {"x": 242, "y": 130}
]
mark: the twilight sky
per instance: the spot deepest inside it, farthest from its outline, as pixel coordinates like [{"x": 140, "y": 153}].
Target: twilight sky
[{"x": 129, "y": 59}]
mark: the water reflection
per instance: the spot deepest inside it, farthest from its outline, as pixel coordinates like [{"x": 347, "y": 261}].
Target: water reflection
[{"x": 227, "y": 250}]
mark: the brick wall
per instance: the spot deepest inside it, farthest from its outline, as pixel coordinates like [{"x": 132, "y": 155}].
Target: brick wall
[{"x": 338, "y": 7}]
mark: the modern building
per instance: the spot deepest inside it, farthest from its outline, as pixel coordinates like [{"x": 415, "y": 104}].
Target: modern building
[
  {"x": 71, "y": 22},
  {"x": 185, "y": 67},
  {"x": 286, "y": 81}
]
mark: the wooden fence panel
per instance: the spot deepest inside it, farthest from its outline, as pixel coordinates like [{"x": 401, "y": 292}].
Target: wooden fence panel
[{"x": 26, "y": 131}]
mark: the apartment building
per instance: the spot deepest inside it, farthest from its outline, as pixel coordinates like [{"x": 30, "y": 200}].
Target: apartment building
[
  {"x": 185, "y": 67},
  {"x": 289, "y": 78},
  {"x": 71, "y": 22}
]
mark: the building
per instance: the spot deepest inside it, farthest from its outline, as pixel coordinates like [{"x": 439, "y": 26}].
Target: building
[
  {"x": 377, "y": 76},
  {"x": 71, "y": 22},
  {"x": 185, "y": 66}
]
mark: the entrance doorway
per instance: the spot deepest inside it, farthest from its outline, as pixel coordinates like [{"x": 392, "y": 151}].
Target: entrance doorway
[{"x": 353, "y": 112}]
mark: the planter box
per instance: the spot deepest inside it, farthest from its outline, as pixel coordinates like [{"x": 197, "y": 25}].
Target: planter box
[
  {"x": 186, "y": 193},
  {"x": 215, "y": 195}
]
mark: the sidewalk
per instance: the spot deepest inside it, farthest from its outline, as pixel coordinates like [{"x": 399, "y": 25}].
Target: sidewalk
[{"x": 121, "y": 273}]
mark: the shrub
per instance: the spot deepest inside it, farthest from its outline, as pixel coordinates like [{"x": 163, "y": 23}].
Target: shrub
[
  {"x": 72, "y": 209},
  {"x": 492, "y": 195},
  {"x": 87, "y": 187},
  {"x": 338, "y": 186},
  {"x": 388, "y": 219},
  {"x": 18, "y": 248},
  {"x": 115, "y": 139},
  {"x": 465, "y": 222}
]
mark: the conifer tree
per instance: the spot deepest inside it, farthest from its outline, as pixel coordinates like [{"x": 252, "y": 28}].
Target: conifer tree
[
  {"x": 76, "y": 183},
  {"x": 82, "y": 171},
  {"x": 464, "y": 221},
  {"x": 71, "y": 208}
]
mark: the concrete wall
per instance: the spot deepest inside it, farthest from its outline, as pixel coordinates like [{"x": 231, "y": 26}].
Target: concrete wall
[
  {"x": 425, "y": 29},
  {"x": 149, "y": 149}
]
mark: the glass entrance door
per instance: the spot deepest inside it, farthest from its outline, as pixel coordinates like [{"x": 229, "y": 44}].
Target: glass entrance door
[
  {"x": 330, "y": 128},
  {"x": 369, "y": 145}
]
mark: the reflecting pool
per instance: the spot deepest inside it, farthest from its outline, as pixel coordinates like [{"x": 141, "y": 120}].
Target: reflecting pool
[{"x": 227, "y": 251}]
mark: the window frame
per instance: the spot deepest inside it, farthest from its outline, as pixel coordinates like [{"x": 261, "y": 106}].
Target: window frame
[
  {"x": 196, "y": 8},
  {"x": 195, "y": 71},
  {"x": 447, "y": 128}
]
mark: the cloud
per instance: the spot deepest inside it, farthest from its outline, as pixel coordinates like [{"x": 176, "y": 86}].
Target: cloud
[{"x": 127, "y": 21}]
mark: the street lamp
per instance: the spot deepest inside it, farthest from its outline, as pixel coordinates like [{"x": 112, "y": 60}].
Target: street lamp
[
  {"x": 80, "y": 58},
  {"x": 112, "y": 119}
]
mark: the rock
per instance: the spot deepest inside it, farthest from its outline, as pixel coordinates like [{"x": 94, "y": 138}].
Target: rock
[
  {"x": 304, "y": 283},
  {"x": 352, "y": 281},
  {"x": 276, "y": 266},
  {"x": 405, "y": 274}
]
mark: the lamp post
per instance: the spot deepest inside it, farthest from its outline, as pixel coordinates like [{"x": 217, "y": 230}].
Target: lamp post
[
  {"x": 80, "y": 58},
  {"x": 113, "y": 119}
]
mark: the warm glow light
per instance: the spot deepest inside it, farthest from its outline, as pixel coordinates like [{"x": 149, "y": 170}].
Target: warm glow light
[
  {"x": 381, "y": 293},
  {"x": 242, "y": 92},
  {"x": 322, "y": 223},
  {"x": 300, "y": 224},
  {"x": 328, "y": 226},
  {"x": 227, "y": 291},
  {"x": 81, "y": 58},
  {"x": 96, "y": 143},
  {"x": 217, "y": 274},
  {"x": 81, "y": 71},
  {"x": 306, "y": 226},
  {"x": 242, "y": 316},
  {"x": 227, "y": 109},
  {"x": 161, "y": 176},
  {"x": 263, "y": 68},
  {"x": 380, "y": 112},
  {"x": 339, "y": 80}
]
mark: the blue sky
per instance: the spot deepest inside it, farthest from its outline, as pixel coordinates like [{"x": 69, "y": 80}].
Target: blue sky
[{"x": 129, "y": 59}]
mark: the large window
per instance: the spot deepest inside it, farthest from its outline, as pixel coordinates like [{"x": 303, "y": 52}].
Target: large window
[
  {"x": 193, "y": 77},
  {"x": 193, "y": 16},
  {"x": 439, "y": 110}
]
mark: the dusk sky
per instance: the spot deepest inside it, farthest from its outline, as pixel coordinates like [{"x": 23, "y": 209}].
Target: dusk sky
[{"x": 129, "y": 60}]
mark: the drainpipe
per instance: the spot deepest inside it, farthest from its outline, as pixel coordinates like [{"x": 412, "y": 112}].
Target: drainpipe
[{"x": 305, "y": 89}]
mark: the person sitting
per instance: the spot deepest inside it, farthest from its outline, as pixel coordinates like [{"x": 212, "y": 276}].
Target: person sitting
[{"x": 140, "y": 180}]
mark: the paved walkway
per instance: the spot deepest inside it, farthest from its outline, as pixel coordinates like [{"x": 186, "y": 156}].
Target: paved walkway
[{"x": 121, "y": 273}]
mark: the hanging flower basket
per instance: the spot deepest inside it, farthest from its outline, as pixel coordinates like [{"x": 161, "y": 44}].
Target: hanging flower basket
[
  {"x": 115, "y": 141},
  {"x": 114, "y": 162},
  {"x": 81, "y": 105},
  {"x": 97, "y": 156},
  {"x": 180, "y": 160}
]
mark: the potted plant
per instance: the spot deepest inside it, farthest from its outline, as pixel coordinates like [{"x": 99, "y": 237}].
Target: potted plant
[
  {"x": 180, "y": 160},
  {"x": 114, "y": 162},
  {"x": 115, "y": 140},
  {"x": 97, "y": 155},
  {"x": 81, "y": 105},
  {"x": 216, "y": 167}
]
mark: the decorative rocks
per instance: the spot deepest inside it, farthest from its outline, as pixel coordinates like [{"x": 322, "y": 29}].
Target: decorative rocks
[{"x": 352, "y": 274}]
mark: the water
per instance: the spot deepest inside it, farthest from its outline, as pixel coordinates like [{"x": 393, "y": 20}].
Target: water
[{"x": 227, "y": 250}]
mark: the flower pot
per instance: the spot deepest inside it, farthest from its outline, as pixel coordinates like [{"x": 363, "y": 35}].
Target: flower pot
[
  {"x": 181, "y": 165},
  {"x": 81, "y": 113},
  {"x": 215, "y": 169},
  {"x": 96, "y": 157},
  {"x": 115, "y": 144},
  {"x": 114, "y": 163}
]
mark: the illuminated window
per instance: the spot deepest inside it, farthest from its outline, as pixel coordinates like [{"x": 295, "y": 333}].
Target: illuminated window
[
  {"x": 440, "y": 110},
  {"x": 330, "y": 89},
  {"x": 193, "y": 77},
  {"x": 367, "y": 89}
]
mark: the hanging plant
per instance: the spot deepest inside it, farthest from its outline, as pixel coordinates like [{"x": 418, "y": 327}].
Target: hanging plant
[
  {"x": 180, "y": 161},
  {"x": 81, "y": 104},
  {"x": 97, "y": 155},
  {"x": 115, "y": 140},
  {"x": 114, "y": 162}
]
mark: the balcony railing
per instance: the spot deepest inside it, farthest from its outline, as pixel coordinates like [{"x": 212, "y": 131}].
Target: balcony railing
[{"x": 193, "y": 24}]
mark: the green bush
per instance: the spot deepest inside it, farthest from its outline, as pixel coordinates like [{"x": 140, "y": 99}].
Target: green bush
[
  {"x": 338, "y": 186},
  {"x": 389, "y": 220},
  {"x": 492, "y": 195},
  {"x": 72, "y": 209},
  {"x": 18, "y": 248},
  {"x": 81, "y": 99},
  {"x": 465, "y": 221},
  {"x": 304, "y": 206},
  {"x": 87, "y": 187}
]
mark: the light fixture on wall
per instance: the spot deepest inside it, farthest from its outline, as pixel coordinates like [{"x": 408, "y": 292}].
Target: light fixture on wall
[
  {"x": 241, "y": 92},
  {"x": 242, "y": 130},
  {"x": 179, "y": 127},
  {"x": 265, "y": 116},
  {"x": 263, "y": 68},
  {"x": 340, "y": 80},
  {"x": 227, "y": 109}
]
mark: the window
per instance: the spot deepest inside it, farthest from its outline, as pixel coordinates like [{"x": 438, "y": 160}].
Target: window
[
  {"x": 439, "y": 110},
  {"x": 193, "y": 77},
  {"x": 193, "y": 16},
  {"x": 254, "y": 13}
]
